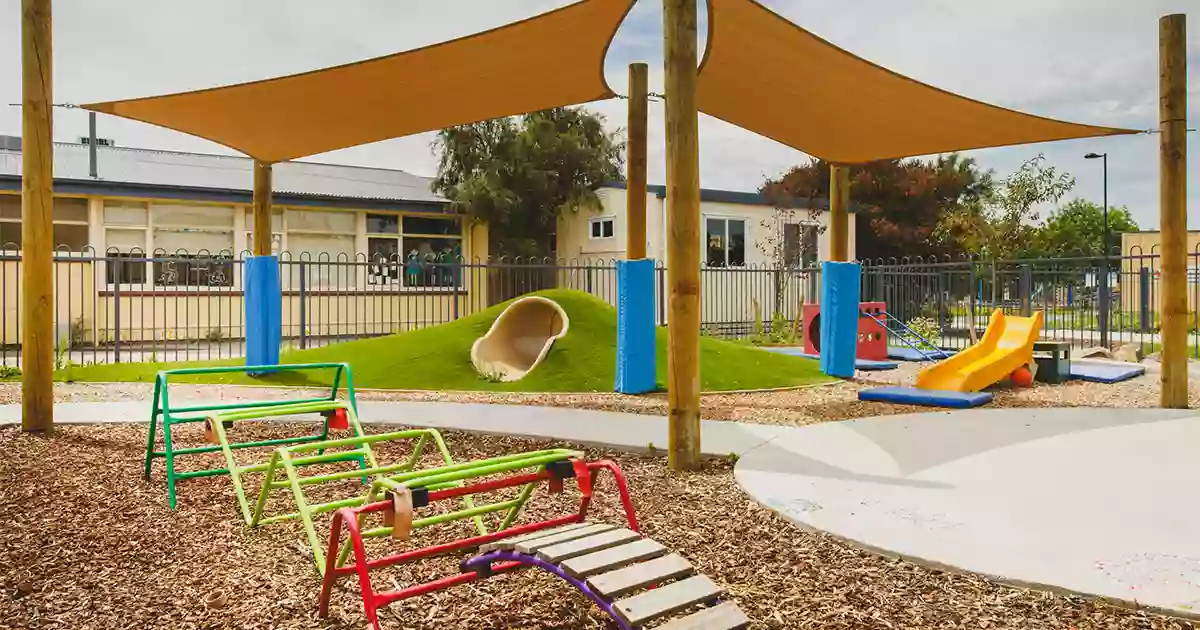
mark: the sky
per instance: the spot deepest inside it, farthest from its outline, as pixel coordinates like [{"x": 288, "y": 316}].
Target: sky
[{"x": 1090, "y": 61}]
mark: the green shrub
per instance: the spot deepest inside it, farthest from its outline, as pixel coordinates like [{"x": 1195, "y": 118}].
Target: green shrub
[{"x": 926, "y": 327}]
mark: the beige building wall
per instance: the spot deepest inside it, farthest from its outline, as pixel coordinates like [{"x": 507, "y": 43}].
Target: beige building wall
[
  {"x": 728, "y": 295},
  {"x": 87, "y": 305},
  {"x": 1140, "y": 251}
]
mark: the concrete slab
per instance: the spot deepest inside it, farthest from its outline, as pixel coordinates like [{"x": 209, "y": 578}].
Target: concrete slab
[
  {"x": 622, "y": 431},
  {"x": 1097, "y": 501}
]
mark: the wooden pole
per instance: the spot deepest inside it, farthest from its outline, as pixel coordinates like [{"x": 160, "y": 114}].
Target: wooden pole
[
  {"x": 635, "y": 197},
  {"x": 262, "y": 208},
  {"x": 37, "y": 206},
  {"x": 1172, "y": 111},
  {"x": 683, "y": 246},
  {"x": 839, "y": 218}
]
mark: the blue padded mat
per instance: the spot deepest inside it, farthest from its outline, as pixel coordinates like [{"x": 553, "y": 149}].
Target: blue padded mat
[
  {"x": 865, "y": 365},
  {"x": 910, "y": 354},
  {"x": 925, "y": 397},
  {"x": 1106, "y": 372}
]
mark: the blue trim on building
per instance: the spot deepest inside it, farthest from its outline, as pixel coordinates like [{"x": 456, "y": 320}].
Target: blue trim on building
[{"x": 221, "y": 195}]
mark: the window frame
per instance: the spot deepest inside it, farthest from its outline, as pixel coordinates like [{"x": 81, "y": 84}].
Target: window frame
[
  {"x": 610, "y": 219},
  {"x": 725, "y": 218}
]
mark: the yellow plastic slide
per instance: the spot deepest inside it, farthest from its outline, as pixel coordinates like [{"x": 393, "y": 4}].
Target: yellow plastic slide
[{"x": 1006, "y": 345}]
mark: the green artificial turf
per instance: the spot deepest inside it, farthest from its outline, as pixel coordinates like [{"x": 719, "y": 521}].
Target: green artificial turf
[{"x": 438, "y": 358}]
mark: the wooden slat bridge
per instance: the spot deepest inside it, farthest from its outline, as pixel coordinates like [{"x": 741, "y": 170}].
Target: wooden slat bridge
[{"x": 635, "y": 580}]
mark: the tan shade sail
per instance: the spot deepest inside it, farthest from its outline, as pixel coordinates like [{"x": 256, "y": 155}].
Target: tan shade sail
[
  {"x": 767, "y": 75},
  {"x": 550, "y": 60}
]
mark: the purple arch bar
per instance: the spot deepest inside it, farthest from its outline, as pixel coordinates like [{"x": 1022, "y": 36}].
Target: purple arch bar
[{"x": 483, "y": 564}]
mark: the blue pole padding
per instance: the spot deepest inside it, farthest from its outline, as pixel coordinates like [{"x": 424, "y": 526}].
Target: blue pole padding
[
  {"x": 839, "y": 317},
  {"x": 264, "y": 311},
  {"x": 636, "y": 346}
]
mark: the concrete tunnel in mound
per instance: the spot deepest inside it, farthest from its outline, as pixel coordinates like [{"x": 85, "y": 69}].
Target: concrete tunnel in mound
[{"x": 520, "y": 338}]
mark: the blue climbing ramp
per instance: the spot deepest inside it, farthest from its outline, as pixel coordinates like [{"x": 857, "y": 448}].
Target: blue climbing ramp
[
  {"x": 925, "y": 397},
  {"x": 1103, "y": 372}
]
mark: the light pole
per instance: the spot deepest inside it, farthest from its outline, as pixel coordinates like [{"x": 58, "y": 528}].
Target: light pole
[{"x": 1104, "y": 288}]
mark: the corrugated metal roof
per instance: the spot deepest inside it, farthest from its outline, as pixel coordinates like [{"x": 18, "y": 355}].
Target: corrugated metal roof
[{"x": 201, "y": 170}]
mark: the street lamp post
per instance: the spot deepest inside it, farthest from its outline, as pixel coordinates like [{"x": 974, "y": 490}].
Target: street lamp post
[{"x": 1104, "y": 288}]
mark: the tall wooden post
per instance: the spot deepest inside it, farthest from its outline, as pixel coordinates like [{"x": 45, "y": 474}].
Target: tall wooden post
[
  {"x": 37, "y": 206},
  {"x": 635, "y": 190},
  {"x": 1172, "y": 112},
  {"x": 839, "y": 218},
  {"x": 262, "y": 208},
  {"x": 683, "y": 246}
]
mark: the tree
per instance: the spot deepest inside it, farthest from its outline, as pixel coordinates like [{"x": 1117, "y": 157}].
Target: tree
[
  {"x": 1076, "y": 229},
  {"x": 896, "y": 202},
  {"x": 519, "y": 174},
  {"x": 1001, "y": 223}
]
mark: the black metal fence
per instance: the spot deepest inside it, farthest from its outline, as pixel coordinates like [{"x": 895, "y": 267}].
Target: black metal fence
[{"x": 132, "y": 307}]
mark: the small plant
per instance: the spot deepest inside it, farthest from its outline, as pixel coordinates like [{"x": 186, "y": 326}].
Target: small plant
[
  {"x": 652, "y": 449},
  {"x": 60, "y": 353},
  {"x": 758, "y": 321},
  {"x": 781, "y": 329},
  {"x": 77, "y": 332},
  {"x": 732, "y": 458},
  {"x": 927, "y": 328},
  {"x": 215, "y": 334},
  {"x": 9, "y": 372},
  {"x": 492, "y": 376}
]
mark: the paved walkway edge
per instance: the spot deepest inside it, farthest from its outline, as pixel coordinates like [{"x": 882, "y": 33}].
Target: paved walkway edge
[{"x": 622, "y": 431}]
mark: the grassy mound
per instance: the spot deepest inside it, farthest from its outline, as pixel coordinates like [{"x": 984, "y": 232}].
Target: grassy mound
[{"x": 438, "y": 358}]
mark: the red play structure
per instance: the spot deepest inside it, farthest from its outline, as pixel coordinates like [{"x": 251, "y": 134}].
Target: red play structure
[
  {"x": 872, "y": 336},
  {"x": 351, "y": 519}
]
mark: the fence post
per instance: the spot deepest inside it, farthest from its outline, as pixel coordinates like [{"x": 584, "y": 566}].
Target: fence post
[
  {"x": 662, "y": 297},
  {"x": 303, "y": 305},
  {"x": 456, "y": 269},
  {"x": 1025, "y": 287},
  {"x": 995, "y": 287},
  {"x": 1144, "y": 298},
  {"x": 941, "y": 299},
  {"x": 117, "y": 319},
  {"x": 971, "y": 280},
  {"x": 1102, "y": 316}
]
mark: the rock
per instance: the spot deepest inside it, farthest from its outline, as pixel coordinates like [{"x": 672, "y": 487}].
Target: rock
[
  {"x": 1130, "y": 353},
  {"x": 1095, "y": 352}
]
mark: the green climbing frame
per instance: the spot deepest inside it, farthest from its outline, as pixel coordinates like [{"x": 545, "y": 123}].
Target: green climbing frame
[
  {"x": 164, "y": 417},
  {"x": 289, "y": 459}
]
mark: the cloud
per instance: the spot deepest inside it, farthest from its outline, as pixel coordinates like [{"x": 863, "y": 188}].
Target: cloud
[{"x": 1085, "y": 60}]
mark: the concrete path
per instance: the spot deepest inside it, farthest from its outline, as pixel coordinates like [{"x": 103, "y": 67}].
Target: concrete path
[
  {"x": 623, "y": 431},
  {"x": 1098, "y": 501}
]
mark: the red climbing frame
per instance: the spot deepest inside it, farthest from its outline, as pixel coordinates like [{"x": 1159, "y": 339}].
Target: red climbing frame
[{"x": 372, "y": 600}]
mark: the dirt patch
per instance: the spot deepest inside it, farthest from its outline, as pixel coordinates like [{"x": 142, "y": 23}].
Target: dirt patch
[{"x": 88, "y": 544}]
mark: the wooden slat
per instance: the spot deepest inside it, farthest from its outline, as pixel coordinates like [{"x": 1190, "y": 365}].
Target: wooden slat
[
  {"x": 631, "y": 578},
  {"x": 531, "y": 546},
  {"x": 507, "y": 543},
  {"x": 615, "y": 558},
  {"x": 726, "y": 616},
  {"x": 666, "y": 600},
  {"x": 591, "y": 544}
]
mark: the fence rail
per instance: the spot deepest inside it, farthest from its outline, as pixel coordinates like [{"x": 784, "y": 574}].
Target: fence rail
[{"x": 133, "y": 306}]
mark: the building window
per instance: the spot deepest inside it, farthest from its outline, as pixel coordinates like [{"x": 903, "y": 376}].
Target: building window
[
  {"x": 726, "y": 242},
  {"x": 277, "y": 231},
  {"x": 190, "y": 245},
  {"x": 800, "y": 244},
  {"x": 193, "y": 245},
  {"x": 601, "y": 228},
  {"x": 325, "y": 237},
  {"x": 413, "y": 251},
  {"x": 70, "y": 223}
]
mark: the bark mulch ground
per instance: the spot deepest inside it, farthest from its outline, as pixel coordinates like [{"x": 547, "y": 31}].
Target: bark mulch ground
[{"x": 86, "y": 543}]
